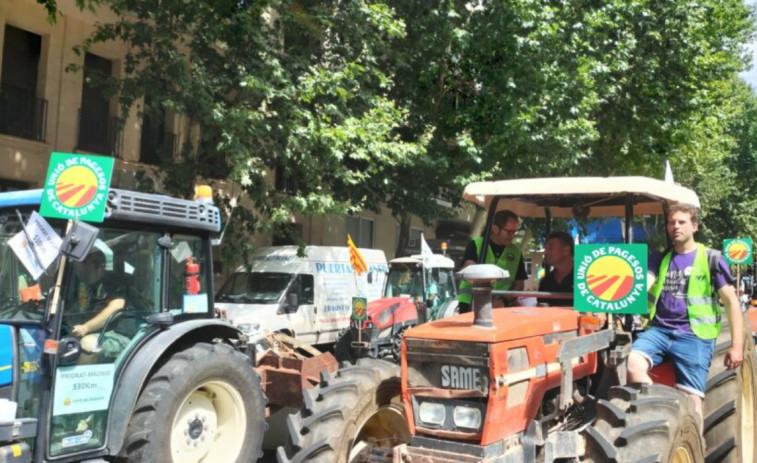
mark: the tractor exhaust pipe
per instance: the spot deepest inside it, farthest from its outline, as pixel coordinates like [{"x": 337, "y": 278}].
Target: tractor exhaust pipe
[{"x": 481, "y": 277}]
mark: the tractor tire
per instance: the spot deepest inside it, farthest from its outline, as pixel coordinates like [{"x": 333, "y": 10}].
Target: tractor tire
[
  {"x": 343, "y": 347},
  {"x": 647, "y": 423},
  {"x": 195, "y": 394},
  {"x": 356, "y": 408},
  {"x": 396, "y": 354},
  {"x": 729, "y": 405}
]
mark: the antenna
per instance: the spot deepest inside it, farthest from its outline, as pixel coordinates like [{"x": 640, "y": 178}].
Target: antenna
[{"x": 219, "y": 240}]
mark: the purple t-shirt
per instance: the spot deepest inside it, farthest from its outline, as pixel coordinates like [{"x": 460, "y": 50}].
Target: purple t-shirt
[{"x": 671, "y": 307}]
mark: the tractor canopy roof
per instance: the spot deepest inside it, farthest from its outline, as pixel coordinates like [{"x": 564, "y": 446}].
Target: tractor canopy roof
[
  {"x": 135, "y": 206},
  {"x": 593, "y": 196},
  {"x": 21, "y": 198},
  {"x": 433, "y": 261}
]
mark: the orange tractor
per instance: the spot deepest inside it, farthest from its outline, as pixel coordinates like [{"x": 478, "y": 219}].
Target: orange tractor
[{"x": 530, "y": 384}]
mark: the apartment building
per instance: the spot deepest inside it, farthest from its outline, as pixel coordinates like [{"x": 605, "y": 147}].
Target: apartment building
[{"x": 45, "y": 108}]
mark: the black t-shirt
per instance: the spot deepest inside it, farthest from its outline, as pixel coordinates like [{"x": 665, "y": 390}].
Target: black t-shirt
[
  {"x": 471, "y": 254},
  {"x": 550, "y": 284}
]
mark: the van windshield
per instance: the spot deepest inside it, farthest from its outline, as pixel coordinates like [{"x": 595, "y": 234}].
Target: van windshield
[{"x": 254, "y": 288}]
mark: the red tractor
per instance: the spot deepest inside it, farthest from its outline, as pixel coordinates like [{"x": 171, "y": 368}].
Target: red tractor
[
  {"x": 531, "y": 384},
  {"x": 418, "y": 289}
]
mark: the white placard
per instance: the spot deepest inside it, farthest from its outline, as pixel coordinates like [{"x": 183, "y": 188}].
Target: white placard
[
  {"x": 82, "y": 388},
  {"x": 46, "y": 244}
]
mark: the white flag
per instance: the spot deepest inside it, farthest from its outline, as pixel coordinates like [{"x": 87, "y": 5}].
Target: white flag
[
  {"x": 46, "y": 245},
  {"x": 668, "y": 172},
  {"x": 425, "y": 249}
]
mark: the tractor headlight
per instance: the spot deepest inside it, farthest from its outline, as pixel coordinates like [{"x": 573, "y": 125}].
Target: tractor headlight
[
  {"x": 467, "y": 417},
  {"x": 432, "y": 413}
]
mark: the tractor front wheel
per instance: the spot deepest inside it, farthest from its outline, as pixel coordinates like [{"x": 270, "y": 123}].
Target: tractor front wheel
[
  {"x": 204, "y": 405},
  {"x": 647, "y": 423},
  {"x": 356, "y": 410}
]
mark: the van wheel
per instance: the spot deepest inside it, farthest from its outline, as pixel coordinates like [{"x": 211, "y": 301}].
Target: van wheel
[
  {"x": 729, "y": 405},
  {"x": 356, "y": 410},
  {"x": 650, "y": 422},
  {"x": 205, "y": 404}
]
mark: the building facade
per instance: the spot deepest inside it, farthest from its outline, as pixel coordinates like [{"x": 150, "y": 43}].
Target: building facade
[{"x": 44, "y": 107}]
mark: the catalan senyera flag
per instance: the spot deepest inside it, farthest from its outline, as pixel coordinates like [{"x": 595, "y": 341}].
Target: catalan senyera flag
[{"x": 356, "y": 259}]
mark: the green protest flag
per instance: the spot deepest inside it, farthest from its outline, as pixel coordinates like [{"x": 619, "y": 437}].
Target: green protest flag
[
  {"x": 359, "y": 306},
  {"x": 738, "y": 251},
  {"x": 610, "y": 278},
  {"x": 76, "y": 187}
]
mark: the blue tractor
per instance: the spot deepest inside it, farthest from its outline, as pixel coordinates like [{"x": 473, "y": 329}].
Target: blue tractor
[{"x": 108, "y": 343}]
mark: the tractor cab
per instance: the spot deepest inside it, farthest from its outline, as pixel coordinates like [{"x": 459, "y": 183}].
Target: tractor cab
[
  {"x": 73, "y": 323},
  {"x": 418, "y": 289},
  {"x": 430, "y": 280}
]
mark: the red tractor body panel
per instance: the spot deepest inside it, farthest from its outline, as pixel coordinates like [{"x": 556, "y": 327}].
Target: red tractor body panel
[
  {"x": 523, "y": 364},
  {"x": 405, "y": 311}
]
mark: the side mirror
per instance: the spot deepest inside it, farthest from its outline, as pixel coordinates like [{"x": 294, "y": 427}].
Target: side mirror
[
  {"x": 78, "y": 241},
  {"x": 69, "y": 349},
  {"x": 293, "y": 301},
  {"x": 370, "y": 277}
]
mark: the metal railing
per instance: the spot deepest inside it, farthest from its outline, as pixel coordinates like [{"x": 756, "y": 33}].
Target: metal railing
[
  {"x": 22, "y": 114},
  {"x": 100, "y": 135}
]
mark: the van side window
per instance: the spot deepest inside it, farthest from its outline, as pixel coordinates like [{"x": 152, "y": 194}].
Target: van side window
[{"x": 306, "y": 284}]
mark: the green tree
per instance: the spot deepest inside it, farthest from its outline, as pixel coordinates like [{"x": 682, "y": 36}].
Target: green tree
[{"x": 403, "y": 103}]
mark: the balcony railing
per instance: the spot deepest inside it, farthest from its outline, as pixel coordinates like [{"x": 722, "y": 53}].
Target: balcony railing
[
  {"x": 22, "y": 114},
  {"x": 99, "y": 135}
]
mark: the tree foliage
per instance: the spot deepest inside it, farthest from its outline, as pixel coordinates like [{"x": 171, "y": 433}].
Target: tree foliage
[{"x": 372, "y": 103}]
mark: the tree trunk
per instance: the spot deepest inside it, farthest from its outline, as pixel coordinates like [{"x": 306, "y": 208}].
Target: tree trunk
[{"x": 404, "y": 239}]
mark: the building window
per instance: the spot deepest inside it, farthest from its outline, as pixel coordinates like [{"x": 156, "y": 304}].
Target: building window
[
  {"x": 361, "y": 231},
  {"x": 285, "y": 234},
  {"x": 156, "y": 142},
  {"x": 414, "y": 238},
  {"x": 22, "y": 114},
  {"x": 285, "y": 182},
  {"x": 98, "y": 130}
]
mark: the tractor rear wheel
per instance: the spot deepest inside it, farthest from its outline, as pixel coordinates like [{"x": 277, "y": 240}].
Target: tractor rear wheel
[
  {"x": 204, "y": 405},
  {"x": 645, "y": 423},
  {"x": 729, "y": 405},
  {"x": 356, "y": 409}
]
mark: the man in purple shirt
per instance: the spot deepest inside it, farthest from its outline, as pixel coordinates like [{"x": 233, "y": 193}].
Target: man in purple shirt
[{"x": 685, "y": 320}]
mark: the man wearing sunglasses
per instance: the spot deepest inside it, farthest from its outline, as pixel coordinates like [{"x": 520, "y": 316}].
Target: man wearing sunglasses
[{"x": 501, "y": 252}]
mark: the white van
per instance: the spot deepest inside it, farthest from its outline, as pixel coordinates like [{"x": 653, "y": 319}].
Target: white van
[{"x": 309, "y": 298}]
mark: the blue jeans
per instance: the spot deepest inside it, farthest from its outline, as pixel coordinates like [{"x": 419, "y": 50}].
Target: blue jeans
[{"x": 690, "y": 354}]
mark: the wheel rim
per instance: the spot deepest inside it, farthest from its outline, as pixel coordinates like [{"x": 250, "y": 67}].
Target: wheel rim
[
  {"x": 385, "y": 428},
  {"x": 682, "y": 454},
  {"x": 210, "y": 425},
  {"x": 747, "y": 412}
]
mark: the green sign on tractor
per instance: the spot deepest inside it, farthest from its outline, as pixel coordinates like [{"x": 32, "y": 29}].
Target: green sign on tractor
[
  {"x": 738, "y": 251},
  {"x": 76, "y": 187},
  {"x": 610, "y": 278}
]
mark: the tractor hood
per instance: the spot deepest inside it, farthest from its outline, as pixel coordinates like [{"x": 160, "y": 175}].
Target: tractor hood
[
  {"x": 378, "y": 306},
  {"x": 515, "y": 323}
]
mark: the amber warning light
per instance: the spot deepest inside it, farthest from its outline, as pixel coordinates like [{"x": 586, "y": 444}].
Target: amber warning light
[{"x": 204, "y": 194}]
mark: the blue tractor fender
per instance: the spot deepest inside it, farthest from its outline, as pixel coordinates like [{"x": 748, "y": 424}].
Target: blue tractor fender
[
  {"x": 7, "y": 340},
  {"x": 134, "y": 376}
]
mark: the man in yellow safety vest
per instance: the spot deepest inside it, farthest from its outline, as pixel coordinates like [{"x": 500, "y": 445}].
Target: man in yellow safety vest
[
  {"x": 684, "y": 312},
  {"x": 501, "y": 252}
]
